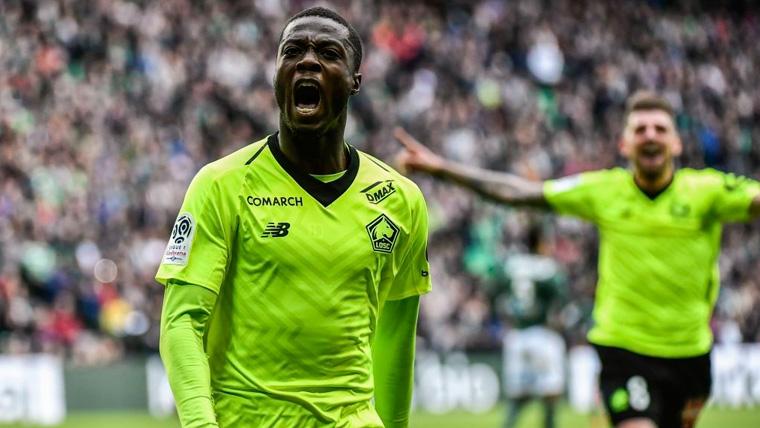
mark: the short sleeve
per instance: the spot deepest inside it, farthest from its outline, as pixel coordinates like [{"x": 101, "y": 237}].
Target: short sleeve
[
  {"x": 199, "y": 244},
  {"x": 413, "y": 276},
  {"x": 734, "y": 196},
  {"x": 574, "y": 195}
]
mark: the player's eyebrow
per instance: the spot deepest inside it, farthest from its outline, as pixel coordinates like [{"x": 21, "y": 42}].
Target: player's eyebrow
[
  {"x": 321, "y": 40},
  {"x": 328, "y": 42}
]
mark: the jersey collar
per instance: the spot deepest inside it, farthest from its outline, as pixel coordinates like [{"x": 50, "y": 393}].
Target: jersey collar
[
  {"x": 653, "y": 196},
  {"x": 325, "y": 193}
]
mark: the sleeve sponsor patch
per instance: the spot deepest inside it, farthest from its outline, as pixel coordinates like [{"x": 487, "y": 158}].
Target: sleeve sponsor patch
[
  {"x": 566, "y": 183},
  {"x": 178, "y": 249}
]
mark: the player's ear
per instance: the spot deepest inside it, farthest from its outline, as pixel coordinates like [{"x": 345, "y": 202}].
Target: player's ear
[
  {"x": 357, "y": 83},
  {"x": 677, "y": 146},
  {"x": 623, "y": 147}
]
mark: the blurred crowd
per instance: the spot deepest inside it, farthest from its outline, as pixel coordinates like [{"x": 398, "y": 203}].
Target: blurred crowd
[{"x": 109, "y": 107}]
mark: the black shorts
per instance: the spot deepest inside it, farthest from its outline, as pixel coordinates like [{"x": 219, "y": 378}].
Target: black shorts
[{"x": 638, "y": 386}]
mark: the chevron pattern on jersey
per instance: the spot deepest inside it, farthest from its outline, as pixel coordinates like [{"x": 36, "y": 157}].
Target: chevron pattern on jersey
[{"x": 303, "y": 283}]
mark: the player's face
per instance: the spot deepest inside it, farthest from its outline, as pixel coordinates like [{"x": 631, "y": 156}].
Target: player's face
[
  {"x": 650, "y": 141},
  {"x": 314, "y": 74}
]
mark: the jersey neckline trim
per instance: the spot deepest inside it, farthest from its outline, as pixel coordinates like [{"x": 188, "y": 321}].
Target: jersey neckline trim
[
  {"x": 654, "y": 195},
  {"x": 258, "y": 152},
  {"x": 325, "y": 193}
]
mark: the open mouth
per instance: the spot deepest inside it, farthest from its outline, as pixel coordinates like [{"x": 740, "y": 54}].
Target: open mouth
[
  {"x": 306, "y": 97},
  {"x": 651, "y": 150}
]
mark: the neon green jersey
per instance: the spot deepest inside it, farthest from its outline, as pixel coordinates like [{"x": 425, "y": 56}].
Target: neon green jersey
[
  {"x": 302, "y": 268},
  {"x": 658, "y": 272}
]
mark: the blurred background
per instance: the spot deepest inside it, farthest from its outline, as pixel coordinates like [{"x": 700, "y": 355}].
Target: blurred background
[{"x": 109, "y": 107}]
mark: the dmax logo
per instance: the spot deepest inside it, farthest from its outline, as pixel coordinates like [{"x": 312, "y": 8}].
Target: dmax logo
[
  {"x": 276, "y": 230},
  {"x": 376, "y": 193}
]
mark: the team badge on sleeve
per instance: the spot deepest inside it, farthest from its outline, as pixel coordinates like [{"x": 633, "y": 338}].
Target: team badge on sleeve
[{"x": 178, "y": 248}]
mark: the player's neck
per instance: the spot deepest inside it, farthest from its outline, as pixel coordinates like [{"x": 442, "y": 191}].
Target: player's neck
[
  {"x": 315, "y": 153},
  {"x": 654, "y": 185}
]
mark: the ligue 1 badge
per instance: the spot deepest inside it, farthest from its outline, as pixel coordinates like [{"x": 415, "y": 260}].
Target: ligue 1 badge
[{"x": 178, "y": 249}]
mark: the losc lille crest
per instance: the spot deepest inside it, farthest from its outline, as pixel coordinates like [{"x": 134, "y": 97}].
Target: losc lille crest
[{"x": 383, "y": 233}]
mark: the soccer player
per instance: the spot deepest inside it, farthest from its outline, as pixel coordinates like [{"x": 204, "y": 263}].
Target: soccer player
[
  {"x": 294, "y": 269},
  {"x": 534, "y": 354},
  {"x": 660, "y": 230}
]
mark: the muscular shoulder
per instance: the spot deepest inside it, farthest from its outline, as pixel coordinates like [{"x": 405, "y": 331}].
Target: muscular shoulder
[
  {"x": 706, "y": 176},
  {"x": 229, "y": 169},
  {"x": 588, "y": 181},
  {"x": 612, "y": 175},
  {"x": 703, "y": 181},
  {"x": 707, "y": 182}
]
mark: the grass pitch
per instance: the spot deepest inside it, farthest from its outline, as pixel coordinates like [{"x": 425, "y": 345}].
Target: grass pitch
[{"x": 532, "y": 418}]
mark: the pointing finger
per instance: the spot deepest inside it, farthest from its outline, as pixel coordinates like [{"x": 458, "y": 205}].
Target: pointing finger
[{"x": 404, "y": 138}]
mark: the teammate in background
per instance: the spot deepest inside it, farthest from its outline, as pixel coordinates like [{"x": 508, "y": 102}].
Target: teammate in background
[
  {"x": 534, "y": 354},
  {"x": 294, "y": 269},
  {"x": 660, "y": 230}
]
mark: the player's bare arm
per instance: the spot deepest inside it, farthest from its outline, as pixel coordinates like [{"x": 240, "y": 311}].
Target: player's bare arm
[{"x": 498, "y": 186}]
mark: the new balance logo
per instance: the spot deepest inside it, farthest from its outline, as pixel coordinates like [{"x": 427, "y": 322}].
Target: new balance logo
[
  {"x": 276, "y": 230},
  {"x": 378, "y": 191}
]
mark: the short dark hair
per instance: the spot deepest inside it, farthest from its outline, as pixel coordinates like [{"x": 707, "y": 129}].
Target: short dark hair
[
  {"x": 647, "y": 100},
  {"x": 353, "y": 36}
]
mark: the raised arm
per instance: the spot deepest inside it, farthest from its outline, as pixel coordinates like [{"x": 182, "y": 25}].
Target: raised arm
[
  {"x": 184, "y": 317},
  {"x": 500, "y": 187}
]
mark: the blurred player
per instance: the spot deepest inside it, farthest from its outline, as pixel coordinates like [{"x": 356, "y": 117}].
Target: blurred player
[
  {"x": 294, "y": 269},
  {"x": 534, "y": 354},
  {"x": 660, "y": 230}
]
